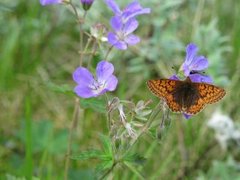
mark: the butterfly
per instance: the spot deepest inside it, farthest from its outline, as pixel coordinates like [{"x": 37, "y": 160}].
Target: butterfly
[{"x": 185, "y": 96}]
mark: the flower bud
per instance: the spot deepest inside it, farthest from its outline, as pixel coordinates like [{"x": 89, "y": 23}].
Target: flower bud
[
  {"x": 99, "y": 32},
  {"x": 86, "y": 4}
]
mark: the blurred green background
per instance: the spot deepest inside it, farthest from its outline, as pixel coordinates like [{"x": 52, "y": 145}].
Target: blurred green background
[{"x": 39, "y": 51}]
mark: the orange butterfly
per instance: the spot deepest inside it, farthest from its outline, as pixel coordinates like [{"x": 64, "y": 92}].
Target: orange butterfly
[{"x": 185, "y": 96}]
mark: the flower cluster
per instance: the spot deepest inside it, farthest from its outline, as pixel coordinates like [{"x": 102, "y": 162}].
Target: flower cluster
[{"x": 124, "y": 23}]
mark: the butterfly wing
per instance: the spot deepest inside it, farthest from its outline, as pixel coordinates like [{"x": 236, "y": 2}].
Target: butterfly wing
[
  {"x": 163, "y": 89},
  {"x": 196, "y": 107},
  {"x": 210, "y": 93}
]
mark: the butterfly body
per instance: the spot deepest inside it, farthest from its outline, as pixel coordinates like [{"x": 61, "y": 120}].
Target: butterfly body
[{"x": 185, "y": 96}]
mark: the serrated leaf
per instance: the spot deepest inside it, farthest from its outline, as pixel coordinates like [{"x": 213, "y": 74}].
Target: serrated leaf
[
  {"x": 91, "y": 154},
  {"x": 65, "y": 88},
  {"x": 96, "y": 104},
  {"x": 106, "y": 144},
  {"x": 103, "y": 166},
  {"x": 134, "y": 158}
]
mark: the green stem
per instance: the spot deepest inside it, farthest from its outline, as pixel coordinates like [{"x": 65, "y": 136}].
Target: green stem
[
  {"x": 95, "y": 45},
  {"x": 109, "y": 50},
  {"x": 108, "y": 171},
  {"x": 74, "y": 10},
  {"x": 81, "y": 38}
]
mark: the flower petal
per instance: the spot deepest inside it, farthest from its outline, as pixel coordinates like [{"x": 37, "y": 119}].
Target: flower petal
[
  {"x": 199, "y": 63},
  {"x": 48, "y": 2},
  {"x": 186, "y": 69},
  {"x": 113, "y": 5},
  {"x": 82, "y": 76},
  {"x": 84, "y": 91},
  {"x": 174, "y": 77},
  {"x": 191, "y": 52},
  {"x": 134, "y": 9},
  {"x": 130, "y": 26},
  {"x": 111, "y": 83},
  {"x": 116, "y": 23},
  {"x": 121, "y": 45},
  {"x": 112, "y": 38},
  {"x": 114, "y": 41},
  {"x": 132, "y": 39},
  {"x": 104, "y": 70},
  {"x": 199, "y": 78},
  {"x": 187, "y": 116}
]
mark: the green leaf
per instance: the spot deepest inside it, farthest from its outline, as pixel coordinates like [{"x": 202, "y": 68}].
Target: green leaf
[
  {"x": 65, "y": 88},
  {"x": 96, "y": 104},
  {"x": 106, "y": 144},
  {"x": 91, "y": 154},
  {"x": 134, "y": 158},
  {"x": 103, "y": 166}
]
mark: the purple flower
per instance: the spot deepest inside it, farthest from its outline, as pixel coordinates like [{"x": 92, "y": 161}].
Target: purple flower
[
  {"x": 122, "y": 37},
  {"x": 86, "y": 4},
  {"x": 89, "y": 86},
  {"x": 48, "y": 2},
  {"x": 124, "y": 23},
  {"x": 133, "y": 9},
  {"x": 193, "y": 63},
  {"x": 198, "y": 78}
]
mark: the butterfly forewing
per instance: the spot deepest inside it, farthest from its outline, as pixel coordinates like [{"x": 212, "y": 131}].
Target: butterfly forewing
[
  {"x": 210, "y": 93},
  {"x": 163, "y": 88}
]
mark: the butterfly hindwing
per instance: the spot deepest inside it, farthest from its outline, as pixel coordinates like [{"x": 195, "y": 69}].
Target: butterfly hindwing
[{"x": 196, "y": 107}]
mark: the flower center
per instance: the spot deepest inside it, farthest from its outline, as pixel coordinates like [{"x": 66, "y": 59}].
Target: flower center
[
  {"x": 97, "y": 87},
  {"x": 121, "y": 35}
]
